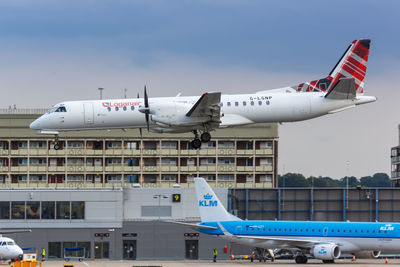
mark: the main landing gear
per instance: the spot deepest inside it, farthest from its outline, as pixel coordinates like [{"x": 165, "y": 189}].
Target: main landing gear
[
  {"x": 301, "y": 259},
  {"x": 204, "y": 138}
]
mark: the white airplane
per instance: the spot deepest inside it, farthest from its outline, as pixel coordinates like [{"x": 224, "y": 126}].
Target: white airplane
[
  {"x": 324, "y": 240},
  {"x": 9, "y": 250},
  {"x": 340, "y": 90}
]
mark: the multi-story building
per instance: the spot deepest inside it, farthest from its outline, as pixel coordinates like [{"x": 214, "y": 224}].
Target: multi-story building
[
  {"x": 395, "y": 159},
  {"x": 236, "y": 157}
]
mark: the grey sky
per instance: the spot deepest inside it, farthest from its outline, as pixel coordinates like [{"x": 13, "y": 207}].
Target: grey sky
[{"x": 52, "y": 51}]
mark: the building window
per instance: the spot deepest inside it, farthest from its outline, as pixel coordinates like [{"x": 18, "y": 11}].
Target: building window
[
  {"x": 48, "y": 208},
  {"x": 18, "y": 210},
  {"x": 77, "y": 210},
  {"x": 63, "y": 210},
  {"x": 33, "y": 210},
  {"x": 4, "y": 210}
]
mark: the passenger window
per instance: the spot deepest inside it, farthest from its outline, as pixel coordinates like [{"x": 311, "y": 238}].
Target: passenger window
[
  {"x": 109, "y": 109},
  {"x": 244, "y": 103},
  {"x": 267, "y": 102},
  {"x": 132, "y": 108},
  {"x": 236, "y": 104},
  {"x": 124, "y": 108},
  {"x": 228, "y": 104},
  {"x": 221, "y": 104},
  {"x": 252, "y": 103},
  {"x": 260, "y": 103},
  {"x": 116, "y": 108}
]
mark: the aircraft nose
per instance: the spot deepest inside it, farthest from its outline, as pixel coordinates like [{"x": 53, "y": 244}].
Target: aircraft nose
[{"x": 35, "y": 125}]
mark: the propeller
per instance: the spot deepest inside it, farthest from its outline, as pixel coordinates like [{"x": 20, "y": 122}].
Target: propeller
[{"x": 146, "y": 109}]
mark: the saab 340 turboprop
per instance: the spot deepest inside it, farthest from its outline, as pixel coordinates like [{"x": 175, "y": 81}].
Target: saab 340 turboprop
[{"x": 342, "y": 89}]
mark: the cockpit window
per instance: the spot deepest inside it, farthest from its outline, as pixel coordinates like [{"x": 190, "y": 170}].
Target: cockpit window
[
  {"x": 3, "y": 244},
  {"x": 10, "y": 243},
  {"x": 61, "y": 109}
]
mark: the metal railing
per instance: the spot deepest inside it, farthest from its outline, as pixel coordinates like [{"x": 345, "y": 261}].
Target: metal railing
[{"x": 23, "y": 111}]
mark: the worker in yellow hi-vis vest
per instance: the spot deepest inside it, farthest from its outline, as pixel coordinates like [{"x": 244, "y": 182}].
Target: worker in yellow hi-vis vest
[
  {"x": 215, "y": 253},
  {"x": 43, "y": 254}
]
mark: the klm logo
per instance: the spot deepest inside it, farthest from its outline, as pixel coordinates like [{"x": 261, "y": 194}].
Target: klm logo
[
  {"x": 322, "y": 251},
  {"x": 208, "y": 202},
  {"x": 387, "y": 227}
]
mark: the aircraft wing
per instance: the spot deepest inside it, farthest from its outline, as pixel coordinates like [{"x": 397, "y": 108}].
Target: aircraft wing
[
  {"x": 290, "y": 242},
  {"x": 207, "y": 105}
]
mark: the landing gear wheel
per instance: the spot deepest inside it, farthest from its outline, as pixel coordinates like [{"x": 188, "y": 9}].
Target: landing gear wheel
[
  {"x": 328, "y": 261},
  {"x": 196, "y": 143},
  {"x": 205, "y": 137},
  {"x": 56, "y": 146},
  {"x": 301, "y": 259}
]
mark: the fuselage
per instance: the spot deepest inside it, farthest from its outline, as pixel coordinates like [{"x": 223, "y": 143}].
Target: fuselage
[
  {"x": 352, "y": 237},
  {"x": 9, "y": 250},
  {"x": 235, "y": 110}
]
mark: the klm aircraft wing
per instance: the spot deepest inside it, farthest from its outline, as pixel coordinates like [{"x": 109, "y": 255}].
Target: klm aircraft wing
[
  {"x": 14, "y": 231},
  {"x": 207, "y": 106},
  {"x": 290, "y": 242}
]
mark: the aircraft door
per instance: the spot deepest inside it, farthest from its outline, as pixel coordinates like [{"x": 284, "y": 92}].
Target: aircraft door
[
  {"x": 129, "y": 247},
  {"x": 88, "y": 113}
]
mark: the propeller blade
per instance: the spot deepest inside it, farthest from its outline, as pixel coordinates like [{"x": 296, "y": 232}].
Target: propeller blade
[
  {"x": 146, "y": 105},
  {"x": 137, "y": 95},
  {"x": 141, "y": 134}
]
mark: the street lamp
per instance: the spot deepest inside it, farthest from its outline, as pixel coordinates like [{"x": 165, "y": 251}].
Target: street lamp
[{"x": 159, "y": 196}]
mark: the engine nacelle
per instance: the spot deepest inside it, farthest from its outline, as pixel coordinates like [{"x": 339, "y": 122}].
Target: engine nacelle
[
  {"x": 367, "y": 254},
  {"x": 326, "y": 252},
  {"x": 173, "y": 114}
]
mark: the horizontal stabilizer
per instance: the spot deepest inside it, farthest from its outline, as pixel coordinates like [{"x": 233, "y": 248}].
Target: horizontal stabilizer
[
  {"x": 14, "y": 231},
  {"x": 344, "y": 89}
]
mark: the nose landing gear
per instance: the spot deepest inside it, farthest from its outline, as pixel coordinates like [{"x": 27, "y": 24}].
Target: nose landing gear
[{"x": 56, "y": 143}]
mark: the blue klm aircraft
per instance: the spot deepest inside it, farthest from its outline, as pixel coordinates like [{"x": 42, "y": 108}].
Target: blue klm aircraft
[{"x": 323, "y": 240}]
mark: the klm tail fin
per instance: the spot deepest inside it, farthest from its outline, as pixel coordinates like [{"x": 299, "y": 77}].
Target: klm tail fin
[
  {"x": 211, "y": 208},
  {"x": 352, "y": 64}
]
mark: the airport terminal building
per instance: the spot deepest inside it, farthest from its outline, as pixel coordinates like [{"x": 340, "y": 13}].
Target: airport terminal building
[{"x": 107, "y": 191}]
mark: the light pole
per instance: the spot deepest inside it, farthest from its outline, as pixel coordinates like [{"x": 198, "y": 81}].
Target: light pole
[
  {"x": 347, "y": 184},
  {"x": 159, "y": 196}
]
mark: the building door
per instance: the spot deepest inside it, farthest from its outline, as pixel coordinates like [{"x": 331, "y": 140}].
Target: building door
[
  {"x": 129, "y": 247},
  {"x": 101, "y": 250},
  {"x": 192, "y": 249},
  {"x": 88, "y": 108}
]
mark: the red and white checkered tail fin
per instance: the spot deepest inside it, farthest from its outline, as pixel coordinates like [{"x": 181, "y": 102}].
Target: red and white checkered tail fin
[{"x": 352, "y": 64}]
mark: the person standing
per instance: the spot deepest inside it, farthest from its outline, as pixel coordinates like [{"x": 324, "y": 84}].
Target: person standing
[
  {"x": 43, "y": 254},
  {"x": 215, "y": 253}
]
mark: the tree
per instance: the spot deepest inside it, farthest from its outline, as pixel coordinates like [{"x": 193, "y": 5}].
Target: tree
[
  {"x": 293, "y": 180},
  {"x": 377, "y": 180},
  {"x": 353, "y": 181}
]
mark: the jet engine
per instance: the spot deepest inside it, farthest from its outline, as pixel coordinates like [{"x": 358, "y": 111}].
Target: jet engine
[
  {"x": 367, "y": 254},
  {"x": 326, "y": 251}
]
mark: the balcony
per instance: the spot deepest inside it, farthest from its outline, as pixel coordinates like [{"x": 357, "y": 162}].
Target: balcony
[
  {"x": 245, "y": 152},
  {"x": 226, "y": 151},
  {"x": 151, "y": 168},
  {"x": 19, "y": 168},
  {"x": 188, "y": 152},
  {"x": 18, "y": 152},
  {"x": 244, "y": 168},
  {"x": 75, "y": 168},
  {"x": 35, "y": 168},
  {"x": 75, "y": 152},
  {"x": 111, "y": 152},
  {"x": 94, "y": 152},
  {"x": 3, "y": 168},
  {"x": 130, "y": 152},
  {"x": 188, "y": 168},
  {"x": 395, "y": 159},
  {"x": 132, "y": 168},
  {"x": 150, "y": 152},
  {"x": 53, "y": 152},
  {"x": 116, "y": 168},
  {"x": 266, "y": 168},
  {"x": 56, "y": 168},
  {"x": 267, "y": 151},
  {"x": 169, "y": 168},
  {"x": 38, "y": 152},
  {"x": 226, "y": 168},
  {"x": 211, "y": 151},
  {"x": 94, "y": 168},
  {"x": 169, "y": 152},
  {"x": 211, "y": 168}
]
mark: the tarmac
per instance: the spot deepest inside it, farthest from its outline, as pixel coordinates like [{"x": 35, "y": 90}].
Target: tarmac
[{"x": 203, "y": 263}]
